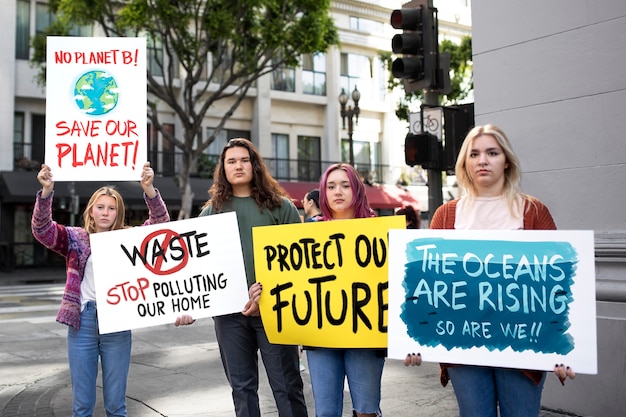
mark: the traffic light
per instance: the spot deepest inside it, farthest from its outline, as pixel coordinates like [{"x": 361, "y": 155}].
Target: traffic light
[
  {"x": 421, "y": 149},
  {"x": 417, "y": 44},
  {"x": 458, "y": 120}
]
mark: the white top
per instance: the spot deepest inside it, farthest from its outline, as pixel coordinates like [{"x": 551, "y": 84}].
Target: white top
[
  {"x": 88, "y": 285},
  {"x": 487, "y": 213}
]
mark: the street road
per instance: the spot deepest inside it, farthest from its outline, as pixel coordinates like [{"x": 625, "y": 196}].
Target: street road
[{"x": 175, "y": 372}]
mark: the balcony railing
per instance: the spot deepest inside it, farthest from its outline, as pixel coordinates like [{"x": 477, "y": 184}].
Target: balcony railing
[
  {"x": 282, "y": 169},
  {"x": 168, "y": 164},
  {"x": 26, "y": 157}
]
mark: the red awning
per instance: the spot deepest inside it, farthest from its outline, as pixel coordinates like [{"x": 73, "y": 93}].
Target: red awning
[{"x": 379, "y": 196}]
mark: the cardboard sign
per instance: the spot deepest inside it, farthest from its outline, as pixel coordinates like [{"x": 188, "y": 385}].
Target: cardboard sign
[
  {"x": 149, "y": 275},
  {"x": 520, "y": 299},
  {"x": 325, "y": 283},
  {"x": 96, "y": 120}
]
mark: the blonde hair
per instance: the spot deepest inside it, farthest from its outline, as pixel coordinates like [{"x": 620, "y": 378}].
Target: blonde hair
[
  {"x": 120, "y": 218},
  {"x": 512, "y": 189}
]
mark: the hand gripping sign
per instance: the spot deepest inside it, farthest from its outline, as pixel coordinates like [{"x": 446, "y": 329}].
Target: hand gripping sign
[
  {"x": 522, "y": 299},
  {"x": 149, "y": 275}
]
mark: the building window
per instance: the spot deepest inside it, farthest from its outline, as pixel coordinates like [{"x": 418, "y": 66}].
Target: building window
[
  {"x": 37, "y": 139},
  {"x": 154, "y": 52},
  {"x": 215, "y": 148},
  {"x": 224, "y": 69},
  {"x": 44, "y": 19},
  {"x": 314, "y": 74},
  {"x": 235, "y": 133},
  {"x": 204, "y": 73},
  {"x": 21, "y": 150},
  {"x": 382, "y": 80},
  {"x": 366, "y": 25},
  {"x": 169, "y": 152},
  {"x": 284, "y": 79},
  {"x": 356, "y": 71},
  {"x": 18, "y": 135},
  {"x": 362, "y": 157},
  {"x": 279, "y": 164},
  {"x": 153, "y": 147},
  {"x": 309, "y": 158},
  {"x": 210, "y": 157},
  {"x": 155, "y": 60},
  {"x": 22, "y": 29}
]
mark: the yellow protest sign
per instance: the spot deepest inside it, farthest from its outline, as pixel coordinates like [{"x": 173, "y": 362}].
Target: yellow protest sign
[{"x": 325, "y": 283}]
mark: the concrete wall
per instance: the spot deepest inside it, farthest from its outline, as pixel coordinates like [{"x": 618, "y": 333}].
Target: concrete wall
[{"x": 551, "y": 74}]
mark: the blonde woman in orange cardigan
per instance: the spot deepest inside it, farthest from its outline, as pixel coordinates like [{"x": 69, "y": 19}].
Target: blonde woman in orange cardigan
[{"x": 489, "y": 176}]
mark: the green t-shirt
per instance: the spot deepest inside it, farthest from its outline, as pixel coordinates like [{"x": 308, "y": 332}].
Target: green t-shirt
[{"x": 248, "y": 216}]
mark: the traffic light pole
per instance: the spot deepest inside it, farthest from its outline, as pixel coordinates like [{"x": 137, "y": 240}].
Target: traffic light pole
[
  {"x": 435, "y": 191},
  {"x": 419, "y": 68}
]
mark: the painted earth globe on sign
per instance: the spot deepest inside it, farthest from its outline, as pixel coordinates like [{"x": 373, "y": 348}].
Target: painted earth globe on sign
[{"x": 96, "y": 93}]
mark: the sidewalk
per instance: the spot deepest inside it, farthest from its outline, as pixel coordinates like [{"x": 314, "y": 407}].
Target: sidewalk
[{"x": 175, "y": 372}]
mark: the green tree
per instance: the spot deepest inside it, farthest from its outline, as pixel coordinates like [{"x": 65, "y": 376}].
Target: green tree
[
  {"x": 461, "y": 78},
  {"x": 220, "y": 47}
]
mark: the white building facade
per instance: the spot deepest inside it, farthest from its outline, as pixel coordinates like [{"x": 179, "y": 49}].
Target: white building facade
[
  {"x": 293, "y": 116},
  {"x": 551, "y": 75}
]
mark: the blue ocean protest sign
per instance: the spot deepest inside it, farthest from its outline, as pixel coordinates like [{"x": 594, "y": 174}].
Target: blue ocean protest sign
[{"x": 523, "y": 299}]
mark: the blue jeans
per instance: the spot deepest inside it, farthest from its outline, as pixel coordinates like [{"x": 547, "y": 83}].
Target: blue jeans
[
  {"x": 480, "y": 390},
  {"x": 240, "y": 338},
  {"x": 328, "y": 369},
  {"x": 84, "y": 347}
]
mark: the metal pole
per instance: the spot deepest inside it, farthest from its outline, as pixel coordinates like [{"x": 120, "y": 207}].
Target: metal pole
[
  {"x": 73, "y": 209},
  {"x": 435, "y": 191},
  {"x": 350, "y": 116}
]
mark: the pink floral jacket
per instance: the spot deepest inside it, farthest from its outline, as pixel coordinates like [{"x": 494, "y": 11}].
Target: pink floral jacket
[{"x": 73, "y": 244}]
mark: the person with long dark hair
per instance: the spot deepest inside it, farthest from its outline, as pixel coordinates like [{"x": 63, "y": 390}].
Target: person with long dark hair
[
  {"x": 311, "y": 205},
  {"x": 243, "y": 184},
  {"x": 413, "y": 220}
]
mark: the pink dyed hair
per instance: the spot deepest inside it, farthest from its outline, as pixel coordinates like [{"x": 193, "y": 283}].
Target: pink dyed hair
[{"x": 359, "y": 201}]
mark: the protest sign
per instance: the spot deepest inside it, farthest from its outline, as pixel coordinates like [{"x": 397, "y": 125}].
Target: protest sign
[
  {"x": 518, "y": 299},
  {"x": 325, "y": 283},
  {"x": 96, "y": 120},
  {"x": 149, "y": 275}
]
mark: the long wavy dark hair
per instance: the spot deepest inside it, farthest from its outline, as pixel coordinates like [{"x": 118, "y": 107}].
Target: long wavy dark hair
[
  {"x": 266, "y": 191},
  {"x": 413, "y": 220}
]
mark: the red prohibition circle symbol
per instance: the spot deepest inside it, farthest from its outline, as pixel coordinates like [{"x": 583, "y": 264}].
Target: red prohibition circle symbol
[{"x": 161, "y": 261}]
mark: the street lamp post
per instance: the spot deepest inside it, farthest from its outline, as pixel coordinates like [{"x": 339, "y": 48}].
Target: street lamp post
[{"x": 350, "y": 112}]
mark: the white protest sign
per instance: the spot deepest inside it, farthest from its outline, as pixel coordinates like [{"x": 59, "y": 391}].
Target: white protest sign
[
  {"x": 96, "y": 120},
  {"x": 519, "y": 299},
  {"x": 149, "y": 275}
]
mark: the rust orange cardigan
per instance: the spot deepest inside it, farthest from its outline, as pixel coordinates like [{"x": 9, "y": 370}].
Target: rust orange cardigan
[{"x": 536, "y": 217}]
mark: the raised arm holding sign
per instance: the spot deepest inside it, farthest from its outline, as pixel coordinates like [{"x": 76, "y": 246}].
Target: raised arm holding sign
[{"x": 105, "y": 211}]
